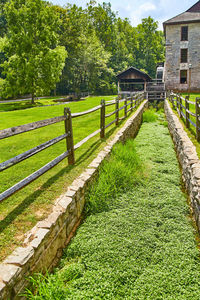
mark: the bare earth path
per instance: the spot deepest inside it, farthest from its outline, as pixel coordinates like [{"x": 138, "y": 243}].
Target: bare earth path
[{"x": 143, "y": 245}]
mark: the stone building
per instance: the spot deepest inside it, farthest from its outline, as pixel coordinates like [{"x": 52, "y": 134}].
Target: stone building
[{"x": 182, "y": 66}]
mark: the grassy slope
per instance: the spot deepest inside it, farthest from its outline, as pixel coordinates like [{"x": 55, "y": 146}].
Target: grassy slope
[
  {"x": 191, "y": 131},
  {"x": 192, "y": 98},
  {"x": 21, "y": 211},
  {"x": 141, "y": 244},
  {"x": 27, "y": 104}
]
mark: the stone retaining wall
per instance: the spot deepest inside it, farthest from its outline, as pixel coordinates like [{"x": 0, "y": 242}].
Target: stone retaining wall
[
  {"x": 43, "y": 245},
  {"x": 188, "y": 160}
]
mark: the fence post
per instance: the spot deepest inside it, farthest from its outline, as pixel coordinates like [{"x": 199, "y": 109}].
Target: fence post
[
  {"x": 176, "y": 102},
  {"x": 102, "y": 122},
  {"x": 136, "y": 100},
  {"x": 197, "y": 103},
  {"x": 173, "y": 101},
  {"x": 180, "y": 106},
  {"x": 131, "y": 103},
  {"x": 117, "y": 111},
  {"x": 125, "y": 108},
  {"x": 69, "y": 138},
  {"x": 187, "y": 116}
]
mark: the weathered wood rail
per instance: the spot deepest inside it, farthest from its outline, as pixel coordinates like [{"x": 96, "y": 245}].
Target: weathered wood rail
[
  {"x": 184, "y": 111},
  {"x": 132, "y": 101}
]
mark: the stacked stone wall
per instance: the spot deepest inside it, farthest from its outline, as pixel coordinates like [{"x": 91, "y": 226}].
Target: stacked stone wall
[{"x": 188, "y": 159}]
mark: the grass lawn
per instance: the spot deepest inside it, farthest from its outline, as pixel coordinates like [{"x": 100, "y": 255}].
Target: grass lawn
[
  {"x": 192, "y": 130},
  {"x": 21, "y": 211},
  {"x": 138, "y": 240},
  {"x": 27, "y": 104},
  {"x": 192, "y": 98}
]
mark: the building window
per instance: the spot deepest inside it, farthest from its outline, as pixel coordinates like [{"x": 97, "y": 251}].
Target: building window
[
  {"x": 184, "y": 55},
  {"x": 184, "y": 33},
  {"x": 183, "y": 76}
]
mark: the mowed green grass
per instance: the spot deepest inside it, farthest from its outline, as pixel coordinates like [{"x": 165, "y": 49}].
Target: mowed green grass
[
  {"x": 10, "y": 106},
  {"x": 192, "y": 97},
  {"x": 21, "y": 211},
  {"x": 192, "y": 130},
  {"x": 138, "y": 240}
]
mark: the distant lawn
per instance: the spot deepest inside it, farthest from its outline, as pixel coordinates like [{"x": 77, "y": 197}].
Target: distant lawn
[
  {"x": 27, "y": 103},
  {"x": 191, "y": 131},
  {"x": 193, "y": 96},
  {"x": 21, "y": 211}
]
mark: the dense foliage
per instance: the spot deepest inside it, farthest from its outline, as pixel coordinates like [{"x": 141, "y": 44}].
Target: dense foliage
[{"x": 98, "y": 43}]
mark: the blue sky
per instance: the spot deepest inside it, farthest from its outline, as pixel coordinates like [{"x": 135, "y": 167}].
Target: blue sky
[{"x": 135, "y": 10}]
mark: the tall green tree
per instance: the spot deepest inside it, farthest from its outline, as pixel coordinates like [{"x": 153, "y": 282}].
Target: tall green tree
[
  {"x": 151, "y": 46},
  {"x": 34, "y": 59},
  {"x": 87, "y": 61}
]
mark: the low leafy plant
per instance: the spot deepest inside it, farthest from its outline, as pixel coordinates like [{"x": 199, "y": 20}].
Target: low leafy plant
[{"x": 150, "y": 115}]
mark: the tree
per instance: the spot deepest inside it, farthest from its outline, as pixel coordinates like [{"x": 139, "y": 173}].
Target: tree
[
  {"x": 34, "y": 59},
  {"x": 151, "y": 45}
]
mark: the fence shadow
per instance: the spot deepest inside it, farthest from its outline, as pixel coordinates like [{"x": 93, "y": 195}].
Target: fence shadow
[{"x": 31, "y": 198}]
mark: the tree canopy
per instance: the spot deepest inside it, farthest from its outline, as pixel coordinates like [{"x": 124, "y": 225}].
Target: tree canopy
[
  {"x": 34, "y": 60},
  {"x": 80, "y": 49}
]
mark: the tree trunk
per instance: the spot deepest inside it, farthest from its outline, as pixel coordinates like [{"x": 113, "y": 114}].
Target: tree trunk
[{"x": 32, "y": 98}]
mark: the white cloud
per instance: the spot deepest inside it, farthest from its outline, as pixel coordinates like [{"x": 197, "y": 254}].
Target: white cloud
[
  {"x": 160, "y": 10},
  {"x": 144, "y": 10}
]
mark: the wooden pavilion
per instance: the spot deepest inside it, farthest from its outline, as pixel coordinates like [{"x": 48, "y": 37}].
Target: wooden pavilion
[{"x": 132, "y": 80}]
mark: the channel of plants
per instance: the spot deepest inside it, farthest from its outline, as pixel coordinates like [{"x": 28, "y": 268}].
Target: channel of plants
[{"x": 137, "y": 240}]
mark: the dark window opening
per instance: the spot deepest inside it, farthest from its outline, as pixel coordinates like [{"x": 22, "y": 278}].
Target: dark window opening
[
  {"x": 184, "y": 33},
  {"x": 183, "y": 76},
  {"x": 184, "y": 55}
]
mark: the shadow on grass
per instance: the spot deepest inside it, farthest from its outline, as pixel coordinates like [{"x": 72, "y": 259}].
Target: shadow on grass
[{"x": 31, "y": 198}]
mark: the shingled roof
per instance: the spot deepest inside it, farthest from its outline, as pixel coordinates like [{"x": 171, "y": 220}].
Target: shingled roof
[
  {"x": 142, "y": 74},
  {"x": 192, "y": 15}
]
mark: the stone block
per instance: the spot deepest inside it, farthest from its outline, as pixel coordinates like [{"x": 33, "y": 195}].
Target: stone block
[
  {"x": 64, "y": 202},
  {"x": 9, "y": 272},
  {"x": 77, "y": 185},
  {"x": 20, "y": 256},
  {"x": 39, "y": 237}
]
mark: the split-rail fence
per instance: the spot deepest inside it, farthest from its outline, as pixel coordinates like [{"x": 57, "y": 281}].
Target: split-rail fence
[
  {"x": 67, "y": 118},
  {"x": 183, "y": 107}
]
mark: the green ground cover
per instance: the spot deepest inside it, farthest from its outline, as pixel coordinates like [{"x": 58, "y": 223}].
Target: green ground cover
[
  {"x": 21, "y": 211},
  {"x": 137, "y": 241},
  {"x": 10, "y": 106}
]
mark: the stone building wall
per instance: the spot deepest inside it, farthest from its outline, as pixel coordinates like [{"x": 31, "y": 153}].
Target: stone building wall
[{"x": 173, "y": 55}]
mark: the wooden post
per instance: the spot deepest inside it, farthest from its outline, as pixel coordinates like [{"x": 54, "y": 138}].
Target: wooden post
[
  {"x": 178, "y": 103},
  {"x": 117, "y": 111},
  {"x": 125, "y": 108},
  {"x": 197, "y": 103},
  {"x": 102, "y": 124},
  {"x": 173, "y": 100},
  {"x": 69, "y": 138},
  {"x": 131, "y": 103},
  {"x": 180, "y": 106},
  {"x": 187, "y": 116}
]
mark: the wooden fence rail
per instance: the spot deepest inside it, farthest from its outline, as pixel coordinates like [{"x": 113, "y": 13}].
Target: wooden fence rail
[
  {"x": 185, "y": 112},
  {"x": 68, "y": 135}
]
